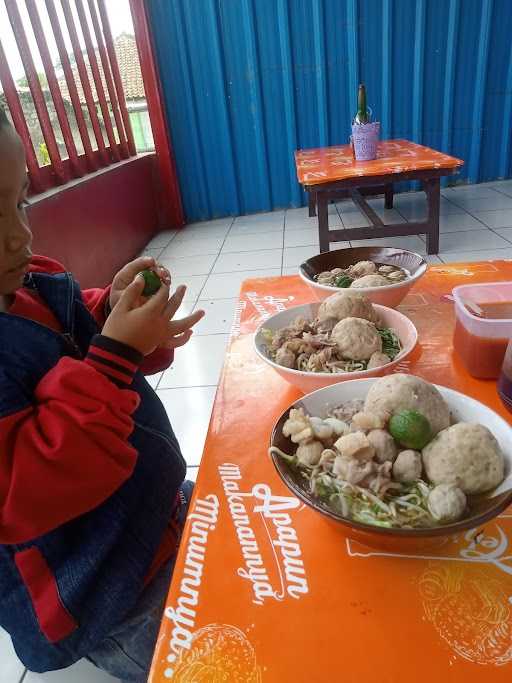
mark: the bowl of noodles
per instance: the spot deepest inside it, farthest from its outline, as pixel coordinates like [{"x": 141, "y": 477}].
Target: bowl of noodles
[
  {"x": 395, "y": 458},
  {"x": 385, "y": 274},
  {"x": 344, "y": 337}
]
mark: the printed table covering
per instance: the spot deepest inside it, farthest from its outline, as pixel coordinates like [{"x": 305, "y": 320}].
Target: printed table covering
[
  {"x": 329, "y": 164},
  {"x": 268, "y": 590}
]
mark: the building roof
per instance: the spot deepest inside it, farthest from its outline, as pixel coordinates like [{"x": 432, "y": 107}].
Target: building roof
[{"x": 129, "y": 67}]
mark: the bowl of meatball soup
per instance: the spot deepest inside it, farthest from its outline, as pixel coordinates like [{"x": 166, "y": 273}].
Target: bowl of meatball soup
[
  {"x": 341, "y": 338},
  {"x": 396, "y": 462},
  {"x": 384, "y": 274}
]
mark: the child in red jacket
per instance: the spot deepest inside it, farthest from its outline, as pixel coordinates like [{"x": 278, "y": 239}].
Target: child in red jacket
[{"x": 92, "y": 491}]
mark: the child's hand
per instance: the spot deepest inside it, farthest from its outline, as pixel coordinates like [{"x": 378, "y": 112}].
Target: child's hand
[
  {"x": 180, "y": 331},
  {"x": 125, "y": 276},
  {"x": 146, "y": 326}
]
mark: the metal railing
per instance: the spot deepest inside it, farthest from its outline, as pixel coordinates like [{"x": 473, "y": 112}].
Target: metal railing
[{"x": 102, "y": 128}]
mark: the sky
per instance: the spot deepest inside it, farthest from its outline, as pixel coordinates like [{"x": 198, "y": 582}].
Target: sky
[{"x": 120, "y": 22}]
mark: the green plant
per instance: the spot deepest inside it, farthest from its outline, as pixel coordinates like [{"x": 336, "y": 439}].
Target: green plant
[{"x": 43, "y": 154}]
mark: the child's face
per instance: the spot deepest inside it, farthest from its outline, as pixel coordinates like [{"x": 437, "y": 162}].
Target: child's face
[{"x": 15, "y": 235}]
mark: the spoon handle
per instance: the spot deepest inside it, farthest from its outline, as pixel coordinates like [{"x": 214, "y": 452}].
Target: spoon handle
[{"x": 473, "y": 308}]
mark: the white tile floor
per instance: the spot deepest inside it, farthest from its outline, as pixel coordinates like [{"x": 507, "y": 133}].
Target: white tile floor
[{"x": 214, "y": 258}]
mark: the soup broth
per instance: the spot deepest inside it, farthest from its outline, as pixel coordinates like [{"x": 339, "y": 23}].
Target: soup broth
[
  {"x": 499, "y": 310},
  {"x": 482, "y": 356}
]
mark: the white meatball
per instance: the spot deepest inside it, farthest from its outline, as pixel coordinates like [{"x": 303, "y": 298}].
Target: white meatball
[
  {"x": 346, "y": 304},
  {"x": 396, "y": 276},
  {"x": 362, "y": 268},
  {"x": 446, "y": 503},
  {"x": 355, "y": 445},
  {"x": 352, "y": 470},
  {"x": 394, "y": 393},
  {"x": 466, "y": 455},
  {"x": 325, "y": 325},
  {"x": 384, "y": 444},
  {"x": 377, "y": 360},
  {"x": 407, "y": 466},
  {"x": 309, "y": 453},
  {"x": 321, "y": 429},
  {"x": 366, "y": 421},
  {"x": 375, "y": 280},
  {"x": 356, "y": 339},
  {"x": 296, "y": 423},
  {"x": 325, "y": 276},
  {"x": 285, "y": 357},
  {"x": 339, "y": 427}
]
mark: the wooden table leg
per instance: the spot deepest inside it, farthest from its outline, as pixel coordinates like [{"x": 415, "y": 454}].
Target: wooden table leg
[
  {"x": 432, "y": 189},
  {"x": 312, "y": 203},
  {"x": 323, "y": 221},
  {"x": 388, "y": 196}
]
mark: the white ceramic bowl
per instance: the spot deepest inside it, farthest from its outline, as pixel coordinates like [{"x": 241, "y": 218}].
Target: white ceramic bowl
[
  {"x": 310, "y": 381},
  {"x": 388, "y": 295},
  {"x": 463, "y": 409}
]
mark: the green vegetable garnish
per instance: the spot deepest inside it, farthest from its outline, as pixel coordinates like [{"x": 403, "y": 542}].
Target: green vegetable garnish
[
  {"x": 411, "y": 429},
  {"x": 369, "y": 519},
  {"x": 343, "y": 281},
  {"x": 153, "y": 282},
  {"x": 390, "y": 342},
  {"x": 268, "y": 335}
]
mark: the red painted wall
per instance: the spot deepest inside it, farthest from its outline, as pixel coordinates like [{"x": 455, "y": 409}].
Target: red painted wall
[{"x": 95, "y": 225}]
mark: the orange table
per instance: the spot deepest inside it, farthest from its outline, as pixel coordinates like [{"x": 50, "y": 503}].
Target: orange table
[
  {"x": 267, "y": 590},
  {"x": 331, "y": 173}
]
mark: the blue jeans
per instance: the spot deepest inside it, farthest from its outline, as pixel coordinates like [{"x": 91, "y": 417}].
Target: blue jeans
[{"x": 127, "y": 652}]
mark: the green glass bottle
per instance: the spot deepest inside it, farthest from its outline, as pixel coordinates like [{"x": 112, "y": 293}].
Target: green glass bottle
[{"x": 362, "y": 115}]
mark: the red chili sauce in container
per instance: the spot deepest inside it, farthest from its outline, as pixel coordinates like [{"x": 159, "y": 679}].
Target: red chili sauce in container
[
  {"x": 505, "y": 380},
  {"x": 481, "y": 340}
]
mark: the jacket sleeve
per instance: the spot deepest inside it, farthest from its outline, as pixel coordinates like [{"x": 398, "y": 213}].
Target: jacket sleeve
[
  {"x": 96, "y": 301},
  {"x": 67, "y": 451},
  {"x": 159, "y": 360}
]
